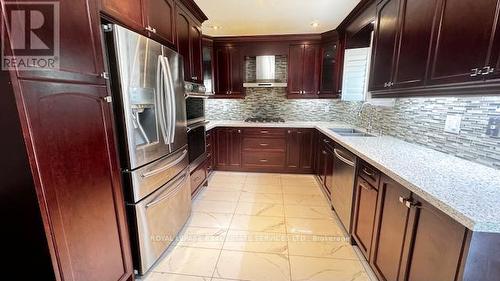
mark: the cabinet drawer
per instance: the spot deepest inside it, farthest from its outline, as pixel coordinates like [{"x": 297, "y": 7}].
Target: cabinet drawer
[
  {"x": 264, "y": 132},
  {"x": 198, "y": 176},
  {"x": 264, "y": 159},
  {"x": 274, "y": 144},
  {"x": 370, "y": 174}
]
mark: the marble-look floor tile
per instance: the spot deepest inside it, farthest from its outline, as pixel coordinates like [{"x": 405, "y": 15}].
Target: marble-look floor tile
[
  {"x": 305, "y": 200},
  {"x": 308, "y": 212},
  {"x": 258, "y": 223},
  {"x": 214, "y": 206},
  {"x": 263, "y": 242},
  {"x": 320, "y": 246},
  {"x": 304, "y": 189},
  {"x": 313, "y": 227},
  {"x": 160, "y": 276},
  {"x": 320, "y": 269},
  {"x": 216, "y": 195},
  {"x": 260, "y": 209},
  {"x": 191, "y": 261},
  {"x": 308, "y": 181},
  {"x": 202, "y": 237},
  {"x": 261, "y": 188},
  {"x": 214, "y": 220},
  {"x": 264, "y": 179},
  {"x": 261, "y": 197},
  {"x": 252, "y": 266},
  {"x": 224, "y": 187}
]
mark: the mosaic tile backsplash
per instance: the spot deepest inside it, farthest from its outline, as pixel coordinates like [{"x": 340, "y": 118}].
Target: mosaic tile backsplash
[{"x": 416, "y": 120}]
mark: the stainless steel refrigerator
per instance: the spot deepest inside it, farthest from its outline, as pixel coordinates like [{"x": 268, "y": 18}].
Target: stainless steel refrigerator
[{"x": 148, "y": 94}]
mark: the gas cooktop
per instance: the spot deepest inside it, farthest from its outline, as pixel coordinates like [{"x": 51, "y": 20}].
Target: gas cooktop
[{"x": 265, "y": 120}]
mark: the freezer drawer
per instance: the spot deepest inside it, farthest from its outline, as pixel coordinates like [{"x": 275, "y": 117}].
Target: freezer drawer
[
  {"x": 149, "y": 178},
  {"x": 159, "y": 218}
]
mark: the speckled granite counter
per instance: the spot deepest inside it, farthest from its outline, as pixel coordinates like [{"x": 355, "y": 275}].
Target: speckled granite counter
[{"x": 466, "y": 191}]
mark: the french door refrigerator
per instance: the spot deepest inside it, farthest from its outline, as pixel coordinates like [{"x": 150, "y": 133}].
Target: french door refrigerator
[{"x": 147, "y": 83}]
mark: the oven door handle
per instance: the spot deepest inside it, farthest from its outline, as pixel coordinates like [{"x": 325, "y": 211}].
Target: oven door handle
[
  {"x": 166, "y": 167},
  {"x": 170, "y": 192},
  {"x": 190, "y": 128}
]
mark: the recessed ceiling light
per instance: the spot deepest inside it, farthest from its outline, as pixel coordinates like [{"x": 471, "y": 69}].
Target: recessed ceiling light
[
  {"x": 215, "y": 27},
  {"x": 315, "y": 24}
]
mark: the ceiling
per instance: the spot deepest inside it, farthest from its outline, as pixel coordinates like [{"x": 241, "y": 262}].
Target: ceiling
[{"x": 271, "y": 17}]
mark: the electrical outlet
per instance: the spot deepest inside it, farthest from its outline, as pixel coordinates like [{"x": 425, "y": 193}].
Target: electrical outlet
[
  {"x": 327, "y": 108},
  {"x": 453, "y": 123},
  {"x": 493, "y": 129}
]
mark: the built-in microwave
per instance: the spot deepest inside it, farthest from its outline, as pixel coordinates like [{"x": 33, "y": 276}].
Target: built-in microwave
[{"x": 195, "y": 102}]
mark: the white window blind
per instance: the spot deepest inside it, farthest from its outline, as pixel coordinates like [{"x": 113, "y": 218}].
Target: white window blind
[{"x": 355, "y": 77}]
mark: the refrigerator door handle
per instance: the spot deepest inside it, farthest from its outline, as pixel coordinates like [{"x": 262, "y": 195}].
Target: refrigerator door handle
[
  {"x": 161, "y": 104},
  {"x": 168, "y": 99},
  {"x": 172, "y": 98},
  {"x": 166, "y": 167}
]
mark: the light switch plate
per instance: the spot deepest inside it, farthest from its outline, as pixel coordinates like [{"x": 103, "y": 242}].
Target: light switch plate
[
  {"x": 493, "y": 129},
  {"x": 453, "y": 123}
]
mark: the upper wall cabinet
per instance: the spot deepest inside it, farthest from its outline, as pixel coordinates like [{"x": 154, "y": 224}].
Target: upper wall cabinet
[
  {"x": 127, "y": 12},
  {"x": 228, "y": 72},
  {"x": 420, "y": 48},
  {"x": 303, "y": 71},
  {"x": 385, "y": 40},
  {"x": 189, "y": 44},
  {"x": 328, "y": 86},
  {"x": 160, "y": 19}
]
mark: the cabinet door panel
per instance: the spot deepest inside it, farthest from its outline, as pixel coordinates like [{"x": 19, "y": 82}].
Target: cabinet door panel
[
  {"x": 437, "y": 246},
  {"x": 80, "y": 52},
  {"x": 160, "y": 16},
  {"x": 390, "y": 230},
  {"x": 183, "y": 42},
  {"x": 196, "y": 59},
  {"x": 235, "y": 70},
  {"x": 417, "y": 21},
  {"x": 385, "y": 42},
  {"x": 128, "y": 12},
  {"x": 328, "y": 79},
  {"x": 366, "y": 204},
  {"x": 222, "y": 84},
  {"x": 77, "y": 165},
  {"x": 293, "y": 144},
  {"x": 235, "y": 141},
  {"x": 461, "y": 19},
  {"x": 222, "y": 140},
  {"x": 310, "y": 77},
  {"x": 295, "y": 69},
  {"x": 306, "y": 149}
]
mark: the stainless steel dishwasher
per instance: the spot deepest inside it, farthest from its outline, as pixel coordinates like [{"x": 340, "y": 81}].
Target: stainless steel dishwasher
[{"x": 344, "y": 171}]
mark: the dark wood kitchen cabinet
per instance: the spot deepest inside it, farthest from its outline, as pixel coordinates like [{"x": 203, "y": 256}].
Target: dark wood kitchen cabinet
[
  {"x": 77, "y": 172},
  {"x": 324, "y": 161},
  {"x": 384, "y": 44},
  {"x": 228, "y": 148},
  {"x": 160, "y": 20},
  {"x": 364, "y": 215},
  {"x": 434, "y": 242},
  {"x": 189, "y": 39},
  {"x": 417, "y": 43},
  {"x": 328, "y": 80},
  {"x": 299, "y": 150},
  {"x": 459, "y": 19},
  {"x": 303, "y": 71},
  {"x": 390, "y": 226},
  {"x": 129, "y": 13},
  {"x": 228, "y": 72},
  {"x": 80, "y": 53}
]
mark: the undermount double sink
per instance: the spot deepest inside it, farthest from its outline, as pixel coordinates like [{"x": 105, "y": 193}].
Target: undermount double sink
[{"x": 350, "y": 132}]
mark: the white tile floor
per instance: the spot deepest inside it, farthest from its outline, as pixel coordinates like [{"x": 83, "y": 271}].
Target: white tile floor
[{"x": 250, "y": 226}]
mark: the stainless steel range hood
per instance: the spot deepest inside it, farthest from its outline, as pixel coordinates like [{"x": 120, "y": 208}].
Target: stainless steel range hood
[{"x": 265, "y": 74}]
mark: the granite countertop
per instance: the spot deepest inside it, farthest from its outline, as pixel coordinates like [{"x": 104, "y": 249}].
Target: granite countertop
[{"x": 466, "y": 191}]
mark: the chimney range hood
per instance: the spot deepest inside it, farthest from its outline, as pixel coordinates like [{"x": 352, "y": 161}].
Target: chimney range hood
[{"x": 265, "y": 74}]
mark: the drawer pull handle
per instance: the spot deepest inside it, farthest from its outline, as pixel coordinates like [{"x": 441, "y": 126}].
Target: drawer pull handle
[
  {"x": 263, "y": 160},
  {"x": 264, "y": 132},
  {"x": 371, "y": 174},
  {"x": 264, "y": 144},
  {"x": 366, "y": 187}
]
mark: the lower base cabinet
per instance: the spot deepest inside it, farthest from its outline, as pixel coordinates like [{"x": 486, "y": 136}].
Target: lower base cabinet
[{"x": 364, "y": 215}]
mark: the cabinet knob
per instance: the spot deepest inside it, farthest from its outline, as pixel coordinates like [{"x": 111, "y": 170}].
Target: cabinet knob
[
  {"x": 289, "y": 131},
  {"x": 194, "y": 77},
  {"x": 239, "y": 131},
  {"x": 475, "y": 72},
  {"x": 263, "y": 160},
  {"x": 487, "y": 70}
]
